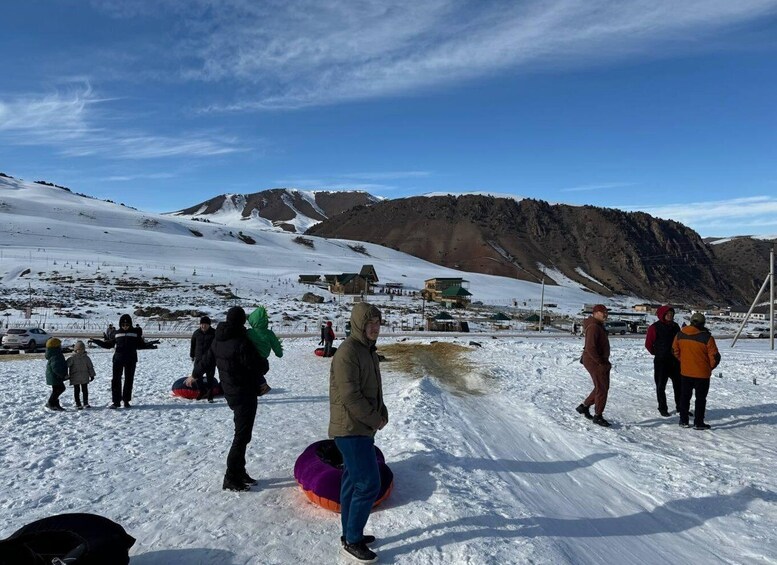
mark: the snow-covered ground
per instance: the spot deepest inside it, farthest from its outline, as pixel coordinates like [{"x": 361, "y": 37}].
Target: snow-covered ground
[{"x": 491, "y": 462}]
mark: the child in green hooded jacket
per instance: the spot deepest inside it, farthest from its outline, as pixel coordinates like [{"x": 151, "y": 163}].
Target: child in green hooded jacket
[{"x": 264, "y": 340}]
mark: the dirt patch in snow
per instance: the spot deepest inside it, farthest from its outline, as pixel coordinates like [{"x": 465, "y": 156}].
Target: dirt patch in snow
[{"x": 446, "y": 362}]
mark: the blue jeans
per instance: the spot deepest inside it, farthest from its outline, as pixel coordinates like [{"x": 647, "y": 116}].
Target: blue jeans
[{"x": 360, "y": 484}]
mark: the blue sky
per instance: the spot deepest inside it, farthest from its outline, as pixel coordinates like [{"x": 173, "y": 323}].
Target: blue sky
[{"x": 663, "y": 106}]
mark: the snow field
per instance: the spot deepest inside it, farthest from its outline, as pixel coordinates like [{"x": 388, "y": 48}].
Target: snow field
[{"x": 494, "y": 468}]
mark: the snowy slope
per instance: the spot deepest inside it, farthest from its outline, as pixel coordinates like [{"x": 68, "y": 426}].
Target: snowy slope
[
  {"x": 492, "y": 464},
  {"x": 55, "y": 233}
]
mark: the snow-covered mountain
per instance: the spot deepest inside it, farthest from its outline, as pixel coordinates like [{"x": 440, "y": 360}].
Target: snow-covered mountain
[
  {"x": 84, "y": 258},
  {"x": 287, "y": 209}
]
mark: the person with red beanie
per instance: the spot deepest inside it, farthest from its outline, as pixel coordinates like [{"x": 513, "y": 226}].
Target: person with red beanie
[{"x": 658, "y": 342}]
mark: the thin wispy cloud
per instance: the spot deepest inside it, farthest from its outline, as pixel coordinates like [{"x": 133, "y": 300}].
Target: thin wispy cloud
[
  {"x": 71, "y": 122},
  {"x": 303, "y": 53},
  {"x": 127, "y": 178},
  {"x": 594, "y": 187},
  {"x": 754, "y": 212}
]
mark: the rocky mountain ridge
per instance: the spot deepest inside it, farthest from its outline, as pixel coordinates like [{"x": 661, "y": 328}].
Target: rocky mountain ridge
[{"x": 606, "y": 250}]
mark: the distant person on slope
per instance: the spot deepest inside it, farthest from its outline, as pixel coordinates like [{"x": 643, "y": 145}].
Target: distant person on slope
[
  {"x": 596, "y": 360},
  {"x": 328, "y": 337},
  {"x": 698, "y": 353},
  {"x": 202, "y": 338},
  {"x": 356, "y": 413},
  {"x": 239, "y": 365},
  {"x": 265, "y": 341},
  {"x": 658, "y": 342},
  {"x": 126, "y": 341},
  {"x": 56, "y": 372}
]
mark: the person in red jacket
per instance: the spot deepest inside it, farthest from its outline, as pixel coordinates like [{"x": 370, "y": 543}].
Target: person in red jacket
[
  {"x": 658, "y": 341},
  {"x": 698, "y": 354},
  {"x": 596, "y": 360}
]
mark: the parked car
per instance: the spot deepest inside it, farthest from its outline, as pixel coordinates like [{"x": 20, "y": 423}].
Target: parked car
[
  {"x": 616, "y": 327},
  {"x": 25, "y": 338},
  {"x": 758, "y": 333}
]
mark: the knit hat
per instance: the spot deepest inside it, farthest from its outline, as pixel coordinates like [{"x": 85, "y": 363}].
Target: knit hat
[
  {"x": 125, "y": 319},
  {"x": 205, "y": 320},
  {"x": 329, "y": 323},
  {"x": 599, "y": 308},
  {"x": 53, "y": 342},
  {"x": 236, "y": 316},
  {"x": 79, "y": 346},
  {"x": 698, "y": 319}
]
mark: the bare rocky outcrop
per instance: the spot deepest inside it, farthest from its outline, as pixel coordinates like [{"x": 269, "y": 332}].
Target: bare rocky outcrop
[{"x": 605, "y": 250}]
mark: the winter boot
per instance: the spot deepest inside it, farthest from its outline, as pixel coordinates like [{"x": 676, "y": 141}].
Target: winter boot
[
  {"x": 685, "y": 425},
  {"x": 229, "y": 484},
  {"x": 702, "y": 427},
  {"x": 359, "y": 552},
  {"x": 127, "y": 404},
  {"x": 249, "y": 480},
  {"x": 264, "y": 388},
  {"x": 583, "y": 409},
  {"x": 600, "y": 421},
  {"x": 664, "y": 412}
]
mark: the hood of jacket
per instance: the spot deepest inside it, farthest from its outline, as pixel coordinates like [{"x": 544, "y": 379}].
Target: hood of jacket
[
  {"x": 226, "y": 331},
  {"x": 661, "y": 312},
  {"x": 53, "y": 351},
  {"x": 589, "y": 321},
  {"x": 362, "y": 312},
  {"x": 125, "y": 318},
  {"x": 259, "y": 319}
]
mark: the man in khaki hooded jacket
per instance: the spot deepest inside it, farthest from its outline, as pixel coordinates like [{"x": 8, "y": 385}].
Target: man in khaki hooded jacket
[{"x": 356, "y": 413}]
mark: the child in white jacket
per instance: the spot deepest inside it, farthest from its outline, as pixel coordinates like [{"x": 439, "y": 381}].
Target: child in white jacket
[{"x": 81, "y": 372}]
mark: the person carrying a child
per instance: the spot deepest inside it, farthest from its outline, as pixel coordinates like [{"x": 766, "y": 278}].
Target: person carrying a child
[
  {"x": 56, "y": 372},
  {"x": 264, "y": 340},
  {"x": 81, "y": 372}
]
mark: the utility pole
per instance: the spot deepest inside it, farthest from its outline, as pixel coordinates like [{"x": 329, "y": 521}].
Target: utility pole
[
  {"x": 768, "y": 280},
  {"x": 542, "y": 301},
  {"x": 771, "y": 299}
]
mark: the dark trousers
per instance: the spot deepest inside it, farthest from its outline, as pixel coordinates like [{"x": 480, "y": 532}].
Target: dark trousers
[
  {"x": 701, "y": 387},
  {"x": 360, "y": 485},
  {"x": 244, "y": 415},
  {"x": 665, "y": 370},
  {"x": 56, "y": 391},
  {"x": 206, "y": 381},
  {"x": 601, "y": 379},
  {"x": 77, "y": 389},
  {"x": 327, "y": 348},
  {"x": 119, "y": 393}
]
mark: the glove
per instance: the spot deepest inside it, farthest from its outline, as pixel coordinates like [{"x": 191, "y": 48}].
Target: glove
[{"x": 91, "y": 379}]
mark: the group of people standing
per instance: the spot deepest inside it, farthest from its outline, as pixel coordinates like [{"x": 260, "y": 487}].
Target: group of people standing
[{"x": 684, "y": 356}]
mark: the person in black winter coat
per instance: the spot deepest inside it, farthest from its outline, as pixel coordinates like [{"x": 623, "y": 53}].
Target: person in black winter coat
[
  {"x": 127, "y": 340},
  {"x": 240, "y": 366},
  {"x": 658, "y": 342},
  {"x": 202, "y": 339}
]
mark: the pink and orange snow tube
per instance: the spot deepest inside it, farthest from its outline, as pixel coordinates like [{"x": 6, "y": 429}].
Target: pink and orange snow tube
[{"x": 319, "y": 470}]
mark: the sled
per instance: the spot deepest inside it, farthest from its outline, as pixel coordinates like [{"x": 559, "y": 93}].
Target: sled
[{"x": 320, "y": 351}]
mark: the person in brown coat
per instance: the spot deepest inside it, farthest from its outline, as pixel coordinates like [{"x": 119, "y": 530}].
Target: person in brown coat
[
  {"x": 698, "y": 353},
  {"x": 356, "y": 413},
  {"x": 596, "y": 360}
]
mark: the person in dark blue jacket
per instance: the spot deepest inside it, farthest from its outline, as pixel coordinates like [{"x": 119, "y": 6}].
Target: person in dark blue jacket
[{"x": 127, "y": 340}]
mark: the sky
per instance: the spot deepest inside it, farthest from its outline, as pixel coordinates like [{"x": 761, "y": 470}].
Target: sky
[{"x": 660, "y": 106}]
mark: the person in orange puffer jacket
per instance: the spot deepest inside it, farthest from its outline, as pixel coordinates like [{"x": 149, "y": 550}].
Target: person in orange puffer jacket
[{"x": 698, "y": 354}]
